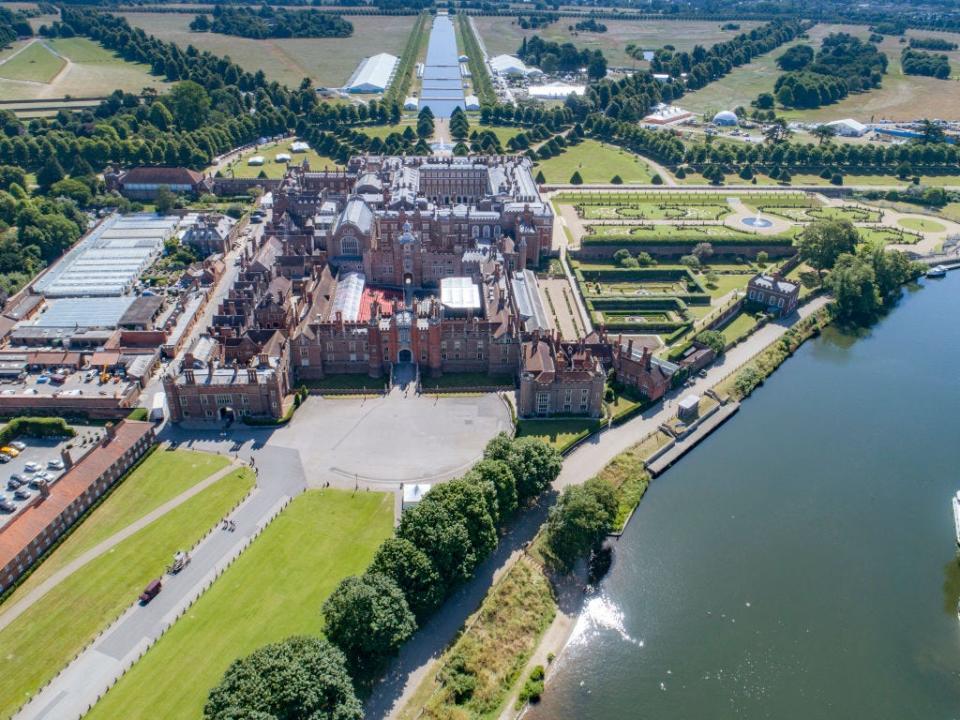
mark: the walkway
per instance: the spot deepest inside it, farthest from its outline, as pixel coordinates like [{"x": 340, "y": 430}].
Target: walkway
[
  {"x": 417, "y": 657},
  {"x": 14, "y": 611}
]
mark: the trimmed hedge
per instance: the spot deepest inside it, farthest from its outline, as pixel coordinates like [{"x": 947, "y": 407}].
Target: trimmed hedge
[
  {"x": 681, "y": 238},
  {"x": 36, "y": 427},
  {"x": 669, "y": 302}
]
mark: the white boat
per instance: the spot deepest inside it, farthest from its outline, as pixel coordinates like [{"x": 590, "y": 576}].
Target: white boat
[
  {"x": 956, "y": 515},
  {"x": 937, "y": 271}
]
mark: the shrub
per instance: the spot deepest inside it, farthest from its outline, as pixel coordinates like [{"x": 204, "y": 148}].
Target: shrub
[
  {"x": 656, "y": 179},
  {"x": 576, "y": 178},
  {"x": 533, "y": 687}
]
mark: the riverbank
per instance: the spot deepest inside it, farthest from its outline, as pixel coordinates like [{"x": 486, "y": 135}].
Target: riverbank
[{"x": 593, "y": 456}]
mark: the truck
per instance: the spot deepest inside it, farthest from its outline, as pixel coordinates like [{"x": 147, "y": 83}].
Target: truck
[
  {"x": 150, "y": 591},
  {"x": 158, "y": 410},
  {"x": 180, "y": 560}
]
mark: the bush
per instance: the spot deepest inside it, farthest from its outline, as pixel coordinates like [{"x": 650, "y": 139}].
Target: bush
[
  {"x": 533, "y": 687},
  {"x": 38, "y": 427},
  {"x": 616, "y": 180},
  {"x": 140, "y": 414},
  {"x": 580, "y": 520},
  {"x": 656, "y": 179},
  {"x": 576, "y": 178}
]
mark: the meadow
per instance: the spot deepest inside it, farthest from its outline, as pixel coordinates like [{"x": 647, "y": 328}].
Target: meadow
[
  {"x": 596, "y": 162},
  {"x": 327, "y": 61}
]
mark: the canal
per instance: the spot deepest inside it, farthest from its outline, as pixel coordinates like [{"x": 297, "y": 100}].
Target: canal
[
  {"x": 801, "y": 562},
  {"x": 442, "y": 86}
]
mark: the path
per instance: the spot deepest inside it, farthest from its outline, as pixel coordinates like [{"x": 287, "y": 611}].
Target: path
[
  {"x": 417, "y": 657},
  {"x": 14, "y": 611},
  {"x": 95, "y": 670}
]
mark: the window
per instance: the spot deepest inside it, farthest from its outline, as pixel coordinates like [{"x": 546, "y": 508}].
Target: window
[
  {"x": 543, "y": 403},
  {"x": 349, "y": 245}
]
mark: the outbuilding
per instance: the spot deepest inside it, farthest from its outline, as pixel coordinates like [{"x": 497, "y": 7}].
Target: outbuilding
[
  {"x": 726, "y": 118},
  {"x": 508, "y": 65},
  {"x": 848, "y": 127},
  {"x": 374, "y": 74}
]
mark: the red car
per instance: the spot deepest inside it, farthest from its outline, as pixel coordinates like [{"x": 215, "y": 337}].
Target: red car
[{"x": 150, "y": 592}]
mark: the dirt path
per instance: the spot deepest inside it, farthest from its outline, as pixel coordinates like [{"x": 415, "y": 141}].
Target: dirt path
[{"x": 18, "y": 608}]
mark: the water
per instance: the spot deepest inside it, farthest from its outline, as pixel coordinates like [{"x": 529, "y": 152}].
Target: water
[
  {"x": 800, "y": 564},
  {"x": 442, "y": 87}
]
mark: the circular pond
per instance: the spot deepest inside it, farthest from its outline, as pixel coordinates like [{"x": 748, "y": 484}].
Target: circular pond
[{"x": 756, "y": 222}]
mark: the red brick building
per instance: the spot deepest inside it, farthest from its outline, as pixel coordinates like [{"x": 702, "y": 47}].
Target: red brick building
[
  {"x": 640, "y": 370},
  {"x": 28, "y": 535},
  {"x": 558, "y": 378}
]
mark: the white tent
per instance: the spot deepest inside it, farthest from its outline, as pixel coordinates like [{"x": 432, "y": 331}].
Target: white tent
[
  {"x": 374, "y": 74},
  {"x": 508, "y": 65},
  {"x": 848, "y": 127}
]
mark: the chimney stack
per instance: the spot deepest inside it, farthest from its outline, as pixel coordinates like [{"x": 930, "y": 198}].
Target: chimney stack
[
  {"x": 111, "y": 433},
  {"x": 67, "y": 460}
]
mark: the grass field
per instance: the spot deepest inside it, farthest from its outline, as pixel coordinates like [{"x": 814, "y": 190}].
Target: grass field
[
  {"x": 738, "y": 327},
  {"x": 34, "y": 63},
  {"x": 274, "y": 590},
  {"x": 504, "y": 35},
  {"x": 42, "y": 640},
  {"x": 328, "y": 61},
  {"x": 921, "y": 225},
  {"x": 559, "y": 433},
  {"x": 92, "y": 71},
  {"x": 273, "y": 169},
  {"x": 726, "y": 283},
  {"x": 162, "y": 476},
  {"x": 597, "y": 163}
]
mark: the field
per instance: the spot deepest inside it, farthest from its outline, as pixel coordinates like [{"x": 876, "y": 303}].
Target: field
[
  {"x": 273, "y": 169},
  {"x": 559, "y": 433},
  {"x": 738, "y": 327},
  {"x": 504, "y": 35},
  {"x": 162, "y": 476},
  {"x": 328, "y": 61},
  {"x": 274, "y": 590},
  {"x": 921, "y": 224},
  {"x": 35, "y": 63},
  {"x": 75, "y": 67},
  {"x": 42, "y": 640},
  {"x": 596, "y": 163}
]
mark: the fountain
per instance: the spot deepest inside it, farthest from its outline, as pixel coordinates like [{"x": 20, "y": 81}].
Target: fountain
[{"x": 757, "y": 222}]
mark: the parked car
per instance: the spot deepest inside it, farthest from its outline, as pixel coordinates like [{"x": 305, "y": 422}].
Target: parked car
[
  {"x": 42, "y": 379},
  {"x": 13, "y": 483},
  {"x": 5, "y": 458},
  {"x": 18, "y": 444},
  {"x": 55, "y": 464},
  {"x": 9, "y": 450},
  {"x": 32, "y": 467},
  {"x": 36, "y": 482},
  {"x": 7, "y": 506},
  {"x": 22, "y": 494}
]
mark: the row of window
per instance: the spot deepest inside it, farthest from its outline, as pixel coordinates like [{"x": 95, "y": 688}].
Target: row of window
[{"x": 758, "y": 296}]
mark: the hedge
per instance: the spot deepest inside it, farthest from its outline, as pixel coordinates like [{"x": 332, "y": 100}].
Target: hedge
[
  {"x": 669, "y": 302},
  {"x": 36, "y": 427},
  {"x": 681, "y": 238}
]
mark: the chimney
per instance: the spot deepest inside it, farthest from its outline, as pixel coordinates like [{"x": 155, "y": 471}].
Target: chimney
[
  {"x": 111, "y": 432},
  {"x": 188, "y": 376},
  {"x": 67, "y": 460},
  {"x": 252, "y": 376},
  {"x": 630, "y": 348}
]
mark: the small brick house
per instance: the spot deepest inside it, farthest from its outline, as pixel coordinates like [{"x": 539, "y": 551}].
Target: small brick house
[
  {"x": 640, "y": 370},
  {"x": 558, "y": 378},
  {"x": 773, "y": 294}
]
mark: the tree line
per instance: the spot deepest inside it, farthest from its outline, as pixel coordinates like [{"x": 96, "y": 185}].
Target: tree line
[
  {"x": 268, "y": 22},
  {"x": 13, "y": 24},
  {"x": 552, "y": 57},
  {"x": 932, "y": 43},
  {"x": 435, "y": 550}
]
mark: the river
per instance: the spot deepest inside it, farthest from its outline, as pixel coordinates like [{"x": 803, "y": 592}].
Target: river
[{"x": 799, "y": 564}]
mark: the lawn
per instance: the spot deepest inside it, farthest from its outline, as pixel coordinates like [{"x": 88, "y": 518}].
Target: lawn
[
  {"x": 328, "y": 61},
  {"x": 162, "y": 476},
  {"x": 94, "y": 72},
  {"x": 738, "y": 327},
  {"x": 888, "y": 235},
  {"x": 350, "y": 381},
  {"x": 274, "y": 590},
  {"x": 921, "y": 224},
  {"x": 597, "y": 163},
  {"x": 726, "y": 283},
  {"x": 273, "y": 169},
  {"x": 560, "y": 433},
  {"x": 503, "y": 35},
  {"x": 55, "y": 628},
  {"x": 465, "y": 380},
  {"x": 35, "y": 63}
]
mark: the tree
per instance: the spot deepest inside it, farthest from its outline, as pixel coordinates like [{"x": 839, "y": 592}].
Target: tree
[
  {"x": 823, "y": 133},
  {"x": 189, "y": 104},
  {"x": 50, "y": 173},
  {"x": 616, "y": 180},
  {"x": 576, "y": 178},
  {"x": 764, "y": 101},
  {"x": 410, "y": 568},
  {"x": 777, "y": 131},
  {"x": 368, "y": 618},
  {"x": 852, "y": 282},
  {"x": 691, "y": 261},
  {"x": 444, "y": 538},
  {"x": 165, "y": 200},
  {"x": 645, "y": 259},
  {"x": 580, "y": 520},
  {"x": 656, "y": 179},
  {"x": 160, "y": 117},
  {"x": 498, "y": 474},
  {"x": 540, "y": 179},
  {"x": 713, "y": 340},
  {"x": 823, "y": 241},
  {"x": 300, "y": 678},
  {"x": 464, "y": 499},
  {"x": 534, "y": 465},
  {"x": 763, "y": 258},
  {"x": 702, "y": 251}
]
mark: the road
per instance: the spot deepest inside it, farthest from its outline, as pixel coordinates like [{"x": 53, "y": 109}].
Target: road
[{"x": 418, "y": 655}]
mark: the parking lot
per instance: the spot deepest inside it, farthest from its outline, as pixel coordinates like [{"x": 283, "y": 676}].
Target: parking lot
[
  {"x": 37, "y": 454},
  {"x": 81, "y": 383}
]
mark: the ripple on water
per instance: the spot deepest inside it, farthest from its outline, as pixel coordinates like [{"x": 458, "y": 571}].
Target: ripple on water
[{"x": 600, "y": 614}]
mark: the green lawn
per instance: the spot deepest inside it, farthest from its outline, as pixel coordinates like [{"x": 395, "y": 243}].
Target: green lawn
[
  {"x": 738, "y": 327},
  {"x": 381, "y": 131},
  {"x": 36, "y": 63},
  {"x": 465, "y": 380},
  {"x": 162, "y": 476},
  {"x": 560, "y": 433},
  {"x": 921, "y": 224},
  {"x": 274, "y": 590},
  {"x": 350, "y": 381},
  {"x": 597, "y": 163},
  {"x": 55, "y": 628},
  {"x": 726, "y": 283},
  {"x": 239, "y": 168}
]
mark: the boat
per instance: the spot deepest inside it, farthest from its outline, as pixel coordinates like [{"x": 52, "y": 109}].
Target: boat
[
  {"x": 956, "y": 515},
  {"x": 937, "y": 271}
]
